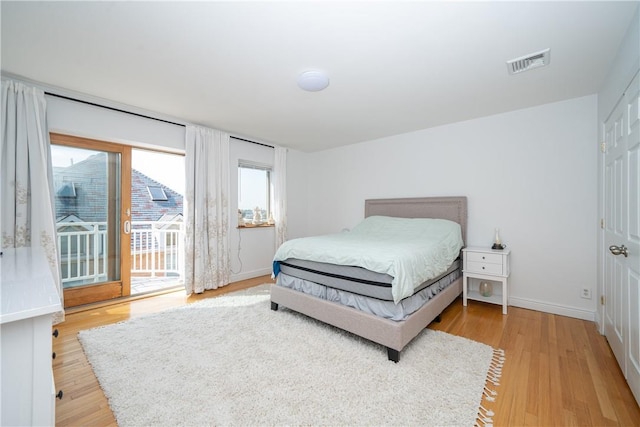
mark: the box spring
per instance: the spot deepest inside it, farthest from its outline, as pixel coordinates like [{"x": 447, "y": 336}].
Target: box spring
[{"x": 360, "y": 295}]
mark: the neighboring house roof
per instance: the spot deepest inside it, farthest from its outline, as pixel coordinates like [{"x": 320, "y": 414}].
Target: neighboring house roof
[
  {"x": 89, "y": 180},
  {"x": 73, "y": 224},
  {"x": 68, "y": 218},
  {"x": 90, "y": 184},
  {"x": 144, "y": 208}
]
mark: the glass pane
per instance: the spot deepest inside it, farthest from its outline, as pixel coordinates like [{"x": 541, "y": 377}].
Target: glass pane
[
  {"x": 253, "y": 191},
  {"x": 87, "y": 200},
  {"x": 157, "y": 226}
]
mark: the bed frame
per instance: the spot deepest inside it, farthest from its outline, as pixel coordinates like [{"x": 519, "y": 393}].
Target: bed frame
[{"x": 394, "y": 335}]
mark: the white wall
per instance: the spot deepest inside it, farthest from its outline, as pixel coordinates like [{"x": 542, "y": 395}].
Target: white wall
[
  {"x": 531, "y": 172},
  {"x": 298, "y": 197},
  {"x": 624, "y": 67},
  {"x": 78, "y": 119}
]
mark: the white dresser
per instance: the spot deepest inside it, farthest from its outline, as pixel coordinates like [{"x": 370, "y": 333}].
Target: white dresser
[{"x": 29, "y": 298}]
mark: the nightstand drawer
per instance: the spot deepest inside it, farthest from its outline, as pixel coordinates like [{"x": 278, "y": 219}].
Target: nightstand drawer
[
  {"x": 483, "y": 267},
  {"x": 484, "y": 258}
]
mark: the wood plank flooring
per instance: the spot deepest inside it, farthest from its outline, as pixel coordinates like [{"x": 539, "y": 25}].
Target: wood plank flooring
[{"x": 559, "y": 371}]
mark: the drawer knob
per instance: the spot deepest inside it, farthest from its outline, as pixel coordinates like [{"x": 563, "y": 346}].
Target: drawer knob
[
  {"x": 55, "y": 333},
  {"x": 483, "y": 257},
  {"x": 483, "y": 267},
  {"x": 59, "y": 395},
  {"x": 53, "y": 355}
]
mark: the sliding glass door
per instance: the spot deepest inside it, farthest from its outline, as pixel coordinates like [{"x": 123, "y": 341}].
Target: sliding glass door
[{"x": 92, "y": 181}]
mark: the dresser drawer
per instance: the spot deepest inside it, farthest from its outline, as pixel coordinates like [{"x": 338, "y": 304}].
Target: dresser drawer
[
  {"x": 484, "y": 258},
  {"x": 483, "y": 267}
]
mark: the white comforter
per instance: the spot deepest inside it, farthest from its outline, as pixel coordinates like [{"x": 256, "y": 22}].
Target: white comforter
[{"x": 411, "y": 250}]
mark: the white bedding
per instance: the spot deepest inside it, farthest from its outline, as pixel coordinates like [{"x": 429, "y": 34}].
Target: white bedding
[{"x": 411, "y": 250}]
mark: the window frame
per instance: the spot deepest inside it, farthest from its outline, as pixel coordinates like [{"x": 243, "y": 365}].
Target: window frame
[
  {"x": 157, "y": 197},
  {"x": 247, "y": 164}
]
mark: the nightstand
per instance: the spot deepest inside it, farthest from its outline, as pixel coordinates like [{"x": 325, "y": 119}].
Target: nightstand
[{"x": 488, "y": 265}]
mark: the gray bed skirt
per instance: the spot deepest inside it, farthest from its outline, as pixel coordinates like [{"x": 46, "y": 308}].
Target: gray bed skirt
[
  {"x": 360, "y": 298},
  {"x": 394, "y": 335}
]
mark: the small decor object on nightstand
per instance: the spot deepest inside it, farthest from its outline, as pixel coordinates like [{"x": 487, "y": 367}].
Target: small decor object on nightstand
[
  {"x": 497, "y": 244},
  {"x": 485, "y": 289}
]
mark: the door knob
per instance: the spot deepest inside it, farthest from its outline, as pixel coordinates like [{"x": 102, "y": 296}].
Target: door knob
[{"x": 619, "y": 250}]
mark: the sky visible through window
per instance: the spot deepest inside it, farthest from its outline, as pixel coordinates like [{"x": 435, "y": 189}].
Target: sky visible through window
[
  {"x": 167, "y": 169},
  {"x": 252, "y": 184},
  {"x": 63, "y": 156}
]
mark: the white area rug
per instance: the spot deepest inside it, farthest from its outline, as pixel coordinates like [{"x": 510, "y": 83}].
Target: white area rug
[{"x": 233, "y": 361}]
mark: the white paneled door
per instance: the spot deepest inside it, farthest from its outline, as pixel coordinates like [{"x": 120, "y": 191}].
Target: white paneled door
[{"x": 622, "y": 233}]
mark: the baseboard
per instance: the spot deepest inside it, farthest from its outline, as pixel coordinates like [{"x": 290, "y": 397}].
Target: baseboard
[
  {"x": 249, "y": 274},
  {"x": 599, "y": 322},
  {"x": 552, "y": 308}
]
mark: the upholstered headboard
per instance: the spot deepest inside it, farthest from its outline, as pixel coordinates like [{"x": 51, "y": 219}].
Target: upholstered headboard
[{"x": 451, "y": 208}]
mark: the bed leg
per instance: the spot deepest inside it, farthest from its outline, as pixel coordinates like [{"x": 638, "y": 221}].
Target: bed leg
[
  {"x": 394, "y": 355},
  {"x": 274, "y": 306},
  {"x": 438, "y": 319}
]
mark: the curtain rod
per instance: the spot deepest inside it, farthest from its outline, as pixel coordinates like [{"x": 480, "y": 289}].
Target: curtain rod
[
  {"x": 139, "y": 115},
  {"x": 253, "y": 142},
  {"x": 82, "y": 101}
]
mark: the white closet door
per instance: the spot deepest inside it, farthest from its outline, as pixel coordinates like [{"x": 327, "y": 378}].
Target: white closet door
[
  {"x": 615, "y": 322},
  {"x": 622, "y": 234},
  {"x": 633, "y": 236}
]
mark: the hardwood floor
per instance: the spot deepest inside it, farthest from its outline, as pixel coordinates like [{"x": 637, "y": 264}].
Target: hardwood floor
[{"x": 558, "y": 370}]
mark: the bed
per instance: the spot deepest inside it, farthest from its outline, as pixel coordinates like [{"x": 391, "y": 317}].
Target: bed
[{"x": 364, "y": 302}]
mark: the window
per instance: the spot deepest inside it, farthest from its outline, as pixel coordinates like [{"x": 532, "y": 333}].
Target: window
[
  {"x": 254, "y": 190},
  {"x": 157, "y": 193},
  {"x": 67, "y": 189}
]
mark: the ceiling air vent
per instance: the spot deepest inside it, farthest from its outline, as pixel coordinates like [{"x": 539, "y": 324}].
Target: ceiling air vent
[{"x": 529, "y": 62}]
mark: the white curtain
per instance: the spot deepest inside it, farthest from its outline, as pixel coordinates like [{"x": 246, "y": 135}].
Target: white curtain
[
  {"x": 280, "y": 194},
  {"x": 207, "y": 260},
  {"x": 27, "y": 213}
]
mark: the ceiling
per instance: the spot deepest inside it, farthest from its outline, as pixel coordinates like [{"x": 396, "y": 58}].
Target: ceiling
[{"x": 394, "y": 67}]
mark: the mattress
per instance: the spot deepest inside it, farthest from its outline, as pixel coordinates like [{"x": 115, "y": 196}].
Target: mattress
[
  {"x": 379, "y": 307},
  {"x": 356, "y": 280},
  {"x": 409, "y": 250}
]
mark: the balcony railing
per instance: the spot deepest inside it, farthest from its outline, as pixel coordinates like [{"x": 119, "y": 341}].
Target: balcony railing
[
  {"x": 83, "y": 251},
  {"x": 156, "y": 250}
]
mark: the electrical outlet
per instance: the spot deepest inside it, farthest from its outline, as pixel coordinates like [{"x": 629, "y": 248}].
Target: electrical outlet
[{"x": 586, "y": 293}]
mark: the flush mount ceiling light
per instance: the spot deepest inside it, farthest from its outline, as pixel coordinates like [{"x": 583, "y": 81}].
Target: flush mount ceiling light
[{"x": 313, "y": 81}]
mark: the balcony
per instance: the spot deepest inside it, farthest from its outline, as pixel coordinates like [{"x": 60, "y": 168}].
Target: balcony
[{"x": 157, "y": 255}]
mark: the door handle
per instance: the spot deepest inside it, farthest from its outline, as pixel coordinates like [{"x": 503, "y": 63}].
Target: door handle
[
  {"x": 127, "y": 227},
  {"x": 619, "y": 250}
]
